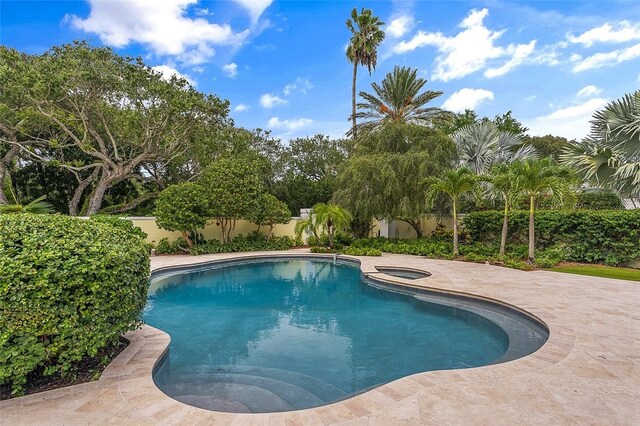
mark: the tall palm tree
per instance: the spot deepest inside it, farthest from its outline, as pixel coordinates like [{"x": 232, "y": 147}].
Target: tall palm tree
[
  {"x": 481, "y": 145},
  {"x": 610, "y": 155},
  {"x": 398, "y": 99},
  {"x": 454, "y": 184},
  {"x": 535, "y": 178},
  {"x": 331, "y": 217},
  {"x": 366, "y": 36},
  {"x": 503, "y": 184},
  {"x": 37, "y": 206}
]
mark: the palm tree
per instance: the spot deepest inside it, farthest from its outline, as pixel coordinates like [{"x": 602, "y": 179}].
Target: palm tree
[
  {"x": 331, "y": 216},
  {"x": 503, "y": 184},
  {"x": 309, "y": 226},
  {"x": 481, "y": 145},
  {"x": 610, "y": 155},
  {"x": 535, "y": 178},
  {"x": 37, "y": 206},
  {"x": 363, "y": 48},
  {"x": 398, "y": 99},
  {"x": 454, "y": 184}
]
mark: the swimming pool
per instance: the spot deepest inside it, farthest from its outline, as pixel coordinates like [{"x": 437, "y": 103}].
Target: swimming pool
[{"x": 278, "y": 335}]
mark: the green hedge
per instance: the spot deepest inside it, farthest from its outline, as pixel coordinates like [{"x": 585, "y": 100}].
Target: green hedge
[
  {"x": 591, "y": 236},
  {"x": 68, "y": 288}
]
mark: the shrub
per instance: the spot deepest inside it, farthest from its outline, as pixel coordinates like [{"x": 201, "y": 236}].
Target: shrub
[
  {"x": 592, "y": 236},
  {"x": 362, "y": 251},
  {"x": 183, "y": 207},
  {"x": 120, "y": 223},
  {"x": 601, "y": 200},
  {"x": 68, "y": 288},
  {"x": 255, "y": 241},
  {"x": 322, "y": 250}
]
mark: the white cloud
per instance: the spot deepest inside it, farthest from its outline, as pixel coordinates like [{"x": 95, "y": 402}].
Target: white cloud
[
  {"x": 400, "y": 26},
  {"x": 301, "y": 85},
  {"x": 608, "y": 59},
  {"x": 588, "y": 91},
  {"x": 571, "y": 122},
  {"x": 469, "y": 50},
  {"x": 624, "y": 31},
  {"x": 242, "y": 108},
  {"x": 467, "y": 99},
  {"x": 519, "y": 54},
  {"x": 254, "y": 7},
  {"x": 291, "y": 125},
  {"x": 231, "y": 69},
  {"x": 168, "y": 72},
  {"x": 269, "y": 101},
  {"x": 161, "y": 25}
]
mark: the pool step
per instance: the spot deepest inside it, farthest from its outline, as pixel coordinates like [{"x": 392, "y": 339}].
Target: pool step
[{"x": 247, "y": 389}]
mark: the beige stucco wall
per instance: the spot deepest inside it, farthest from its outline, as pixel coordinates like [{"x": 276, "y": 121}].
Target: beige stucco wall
[
  {"x": 211, "y": 231},
  {"x": 428, "y": 223}
]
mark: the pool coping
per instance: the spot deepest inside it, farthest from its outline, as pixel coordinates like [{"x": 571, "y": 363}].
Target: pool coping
[{"x": 128, "y": 379}]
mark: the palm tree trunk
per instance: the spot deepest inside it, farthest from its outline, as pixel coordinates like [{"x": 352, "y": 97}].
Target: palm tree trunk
[
  {"x": 353, "y": 98},
  {"x": 455, "y": 230},
  {"x": 505, "y": 227},
  {"x": 532, "y": 242}
]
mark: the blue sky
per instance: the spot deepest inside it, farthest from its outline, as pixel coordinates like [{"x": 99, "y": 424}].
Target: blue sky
[{"x": 282, "y": 64}]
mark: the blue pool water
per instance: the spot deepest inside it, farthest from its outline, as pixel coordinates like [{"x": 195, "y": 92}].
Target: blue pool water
[{"x": 293, "y": 334}]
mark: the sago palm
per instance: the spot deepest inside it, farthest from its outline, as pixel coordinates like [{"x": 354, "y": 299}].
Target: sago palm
[
  {"x": 536, "y": 178},
  {"x": 481, "y": 145},
  {"x": 610, "y": 156},
  {"x": 37, "y": 206},
  {"x": 454, "y": 184},
  {"x": 366, "y": 36},
  {"x": 398, "y": 99},
  {"x": 331, "y": 217}
]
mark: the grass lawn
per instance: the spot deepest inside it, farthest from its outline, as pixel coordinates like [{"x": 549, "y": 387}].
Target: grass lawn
[{"x": 599, "y": 271}]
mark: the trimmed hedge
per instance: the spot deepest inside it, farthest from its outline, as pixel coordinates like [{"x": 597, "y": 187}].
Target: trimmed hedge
[
  {"x": 611, "y": 237},
  {"x": 68, "y": 288}
]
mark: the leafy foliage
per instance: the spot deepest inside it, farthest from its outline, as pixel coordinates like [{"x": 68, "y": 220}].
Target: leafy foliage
[
  {"x": 599, "y": 200},
  {"x": 270, "y": 212},
  {"x": 331, "y": 217},
  {"x": 255, "y": 241},
  {"x": 37, "y": 206},
  {"x": 183, "y": 207},
  {"x": 604, "y": 236},
  {"x": 68, "y": 288},
  {"x": 398, "y": 100}
]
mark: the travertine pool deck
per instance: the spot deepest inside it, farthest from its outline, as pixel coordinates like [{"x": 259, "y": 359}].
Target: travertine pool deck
[{"x": 587, "y": 373}]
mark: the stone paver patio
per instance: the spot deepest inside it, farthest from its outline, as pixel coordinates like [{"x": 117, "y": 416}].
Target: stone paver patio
[{"x": 587, "y": 373}]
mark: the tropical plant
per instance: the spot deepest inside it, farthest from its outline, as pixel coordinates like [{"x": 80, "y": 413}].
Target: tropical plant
[
  {"x": 483, "y": 144},
  {"x": 503, "y": 184},
  {"x": 366, "y": 36},
  {"x": 610, "y": 156},
  {"x": 37, "y": 206},
  {"x": 308, "y": 226},
  {"x": 271, "y": 212},
  {"x": 398, "y": 99},
  {"x": 331, "y": 217},
  {"x": 454, "y": 184},
  {"x": 183, "y": 207},
  {"x": 536, "y": 178}
]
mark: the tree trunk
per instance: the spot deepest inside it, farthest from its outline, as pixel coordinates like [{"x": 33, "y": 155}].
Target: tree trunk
[
  {"x": 415, "y": 224},
  {"x": 77, "y": 195},
  {"x": 330, "y": 232},
  {"x": 3, "y": 175},
  {"x": 353, "y": 99},
  {"x": 186, "y": 237},
  {"x": 505, "y": 227},
  {"x": 270, "y": 233},
  {"x": 455, "y": 230},
  {"x": 532, "y": 243},
  {"x": 5, "y": 162},
  {"x": 95, "y": 202}
]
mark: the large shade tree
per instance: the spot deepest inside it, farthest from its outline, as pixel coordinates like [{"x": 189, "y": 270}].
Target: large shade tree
[
  {"x": 610, "y": 156},
  {"x": 366, "y": 36},
  {"x": 381, "y": 178},
  {"x": 118, "y": 113},
  {"x": 398, "y": 99}
]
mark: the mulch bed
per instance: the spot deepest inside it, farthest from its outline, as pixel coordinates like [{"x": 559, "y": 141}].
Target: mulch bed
[{"x": 87, "y": 370}]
